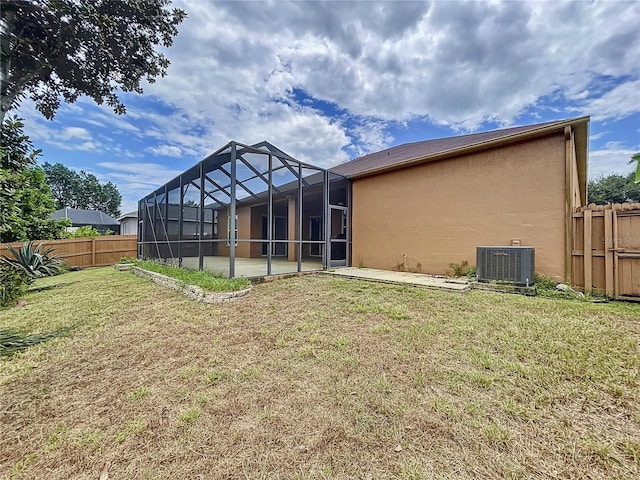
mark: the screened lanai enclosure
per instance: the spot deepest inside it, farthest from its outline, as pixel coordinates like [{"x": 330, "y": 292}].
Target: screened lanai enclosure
[{"x": 248, "y": 210}]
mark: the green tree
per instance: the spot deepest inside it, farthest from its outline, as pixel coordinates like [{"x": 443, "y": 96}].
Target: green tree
[
  {"x": 53, "y": 49},
  {"x": 636, "y": 158},
  {"x": 62, "y": 182},
  {"x": 81, "y": 190},
  {"x": 25, "y": 197},
  {"x": 614, "y": 188}
]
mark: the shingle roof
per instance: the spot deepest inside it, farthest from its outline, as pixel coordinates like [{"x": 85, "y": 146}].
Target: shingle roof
[
  {"x": 408, "y": 153},
  {"x": 84, "y": 217}
]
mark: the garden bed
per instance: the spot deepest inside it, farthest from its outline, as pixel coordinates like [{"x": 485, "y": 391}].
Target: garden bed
[{"x": 192, "y": 291}]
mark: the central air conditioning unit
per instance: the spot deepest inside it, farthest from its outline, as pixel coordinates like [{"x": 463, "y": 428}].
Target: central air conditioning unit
[{"x": 506, "y": 264}]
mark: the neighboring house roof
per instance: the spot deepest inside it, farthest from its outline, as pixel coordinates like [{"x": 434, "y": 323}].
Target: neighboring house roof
[
  {"x": 431, "y": 150},
  {"x": 128, "y": 215},
  {"x": 80, "y": 217}
]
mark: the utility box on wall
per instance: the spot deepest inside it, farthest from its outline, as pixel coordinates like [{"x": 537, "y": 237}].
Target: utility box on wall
[{"x": 506, "y": 264}]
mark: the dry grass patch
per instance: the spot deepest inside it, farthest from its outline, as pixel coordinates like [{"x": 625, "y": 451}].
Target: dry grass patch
[{"x": 319, "y": 377}]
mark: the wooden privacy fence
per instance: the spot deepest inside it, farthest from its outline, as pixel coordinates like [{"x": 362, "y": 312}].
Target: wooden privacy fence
[
  {"x": 606, "y": 250},
  {"x": 89, "y": 252}
]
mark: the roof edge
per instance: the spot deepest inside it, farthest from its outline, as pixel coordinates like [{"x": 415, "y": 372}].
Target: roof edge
[{"x": 534, "y": 132}]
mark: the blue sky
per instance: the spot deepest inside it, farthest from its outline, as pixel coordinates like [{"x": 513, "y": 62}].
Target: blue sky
[{"x": 329, "y": 81}]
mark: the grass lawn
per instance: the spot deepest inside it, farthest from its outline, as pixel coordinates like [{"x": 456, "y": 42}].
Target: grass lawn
[{"x": 318, "y": 377}]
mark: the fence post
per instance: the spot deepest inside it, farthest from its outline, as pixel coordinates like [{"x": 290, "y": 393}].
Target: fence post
[
  {"x": 588, "y": 280},
  {"x": 614, "y": 221},
  {"x": 93, "y": 251},
  {"x": 608, "y": 253}
]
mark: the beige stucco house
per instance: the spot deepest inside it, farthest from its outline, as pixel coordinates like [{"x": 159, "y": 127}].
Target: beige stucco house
[
  {"x": 433, "y": 202},
  {"x": 254, "y": 210}
]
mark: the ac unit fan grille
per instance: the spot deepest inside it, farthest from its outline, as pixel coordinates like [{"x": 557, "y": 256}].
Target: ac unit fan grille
[{"x": 506, "y": 264}]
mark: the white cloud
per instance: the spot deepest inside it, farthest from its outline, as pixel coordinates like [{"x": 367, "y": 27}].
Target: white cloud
[
  {"x": 597, "y": 136},
  {"x": 145, "y": 173},
  {"x": 371, "y": 137},
  {"x": 75, "y": 133},
  {"x": 613, "y": 158},
  {"x": 136, "y": 179},
  {"x": 87, "y": 146},
  {"x": 459, "y": 64},
  {"x": 620, "y": 102},
  {"x": 165, "y": 150},
  {"x": 103, "y": 116},
  {"x": 54, "y": 132}
]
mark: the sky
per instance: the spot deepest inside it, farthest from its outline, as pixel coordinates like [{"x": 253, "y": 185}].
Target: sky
[{"x": 327, "y": 82}]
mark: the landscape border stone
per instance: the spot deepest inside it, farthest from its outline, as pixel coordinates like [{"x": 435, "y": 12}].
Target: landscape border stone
[
  {"x": 123, "y": 267},
  {"x": 192, "y": 291}
]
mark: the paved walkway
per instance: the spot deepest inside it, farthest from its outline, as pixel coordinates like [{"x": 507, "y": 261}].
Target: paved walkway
[{"x": 403, "y": 278}]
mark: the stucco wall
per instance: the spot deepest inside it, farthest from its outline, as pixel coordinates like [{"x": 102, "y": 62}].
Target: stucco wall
[
  {"x": 244, "y": 232},
  {"x": 437, "y": 213}
]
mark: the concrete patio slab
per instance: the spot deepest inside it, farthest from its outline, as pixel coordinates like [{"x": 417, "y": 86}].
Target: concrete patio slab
[
  {"x": 251, "y": 267},
  {"x": 403, "y": 278}
]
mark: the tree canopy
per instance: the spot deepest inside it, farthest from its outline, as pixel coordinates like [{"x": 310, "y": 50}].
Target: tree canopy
[
  {"x": 81, "y": 190},
  {"x": 53, "y": 49},
  {"x": 26, "y": 201},
  {"x": 614, "y": 188},
  {"x": 636, "y": 158}
]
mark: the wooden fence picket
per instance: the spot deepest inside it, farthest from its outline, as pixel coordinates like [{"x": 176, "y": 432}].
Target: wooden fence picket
[
  {"x": 88, "y": 252},
  {"x": 605, "y": 256}
]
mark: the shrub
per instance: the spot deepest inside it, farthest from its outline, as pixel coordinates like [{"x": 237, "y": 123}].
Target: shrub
[
  {"x": 13, "y": 283},
  {"x": 461, "y": 269},
  {"x": 544, "y": 283},
  {"x": 546, "y": 287},
  {"x": 37, "y": 262},
  {"x": 472, "y": 273},
  {"x": 85, "y": 231}
]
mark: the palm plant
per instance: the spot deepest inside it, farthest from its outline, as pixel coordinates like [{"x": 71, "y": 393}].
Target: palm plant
[{"x": 37, "y": 262}]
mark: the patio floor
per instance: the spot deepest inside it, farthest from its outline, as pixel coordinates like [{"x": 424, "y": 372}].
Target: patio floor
[
  {"x": 252, "y": 267},
  {"x": 257, "y": 268},
  {"x": 403, "y": 278}
]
